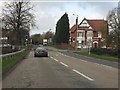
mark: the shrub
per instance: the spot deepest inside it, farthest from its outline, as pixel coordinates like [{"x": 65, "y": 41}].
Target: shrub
[{"x": 101, "y": 51}]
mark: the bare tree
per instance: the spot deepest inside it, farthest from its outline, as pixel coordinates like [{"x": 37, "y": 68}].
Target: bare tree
[
  {"x": 17, "y": 19},
  {"x": 114, "y": 24}
]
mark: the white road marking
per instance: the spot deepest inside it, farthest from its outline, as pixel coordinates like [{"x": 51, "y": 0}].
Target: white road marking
[
  {"x": 83, "y": 60},
  {"x": 63, "y": 54},
  {"x": 51, "y": 57},
  {"x": 96, "y": 63},
  {"x": 56, "y": 54},
  {"x": 83, "y": 75},
  {"x": 55, "y": 59},
  {"x": 103, "y": 65},
  {"x": 64, "y": 64},
  {"x": 106, "y": 66}
]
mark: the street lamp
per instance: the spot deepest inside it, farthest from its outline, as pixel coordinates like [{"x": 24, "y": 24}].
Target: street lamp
[{"x": 76, "y": 31}]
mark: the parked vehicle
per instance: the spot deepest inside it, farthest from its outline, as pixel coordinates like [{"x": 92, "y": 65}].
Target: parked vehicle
[{"x": 40, "y": 51}]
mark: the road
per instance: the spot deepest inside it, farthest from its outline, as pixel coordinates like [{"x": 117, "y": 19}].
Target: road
[{"x": 60, "y": 71}]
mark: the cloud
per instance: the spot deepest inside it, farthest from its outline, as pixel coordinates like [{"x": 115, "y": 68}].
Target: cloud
[{"x": 48, "y": 12}]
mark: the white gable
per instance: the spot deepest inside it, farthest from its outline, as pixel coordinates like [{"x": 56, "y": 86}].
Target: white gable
[
  {"x": 90, "y": 27},
  {"x": 84, "y": 23}
]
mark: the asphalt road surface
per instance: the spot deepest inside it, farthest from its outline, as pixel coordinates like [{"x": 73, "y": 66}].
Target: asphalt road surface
[{"x": 60, "y": 71}]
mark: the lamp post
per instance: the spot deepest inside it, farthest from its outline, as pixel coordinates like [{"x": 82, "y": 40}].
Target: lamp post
[{"x": 76, "y": 31}]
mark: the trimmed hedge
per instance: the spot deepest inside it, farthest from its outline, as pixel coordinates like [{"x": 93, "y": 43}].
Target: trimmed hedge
[{"x": 101, "y": 51}]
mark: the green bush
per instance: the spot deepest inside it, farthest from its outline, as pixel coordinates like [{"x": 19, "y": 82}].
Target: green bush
[{"x": 101, "y": 51}]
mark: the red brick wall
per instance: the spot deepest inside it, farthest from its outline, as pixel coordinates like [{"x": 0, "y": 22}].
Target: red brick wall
[{"x": 73, "y": 35}]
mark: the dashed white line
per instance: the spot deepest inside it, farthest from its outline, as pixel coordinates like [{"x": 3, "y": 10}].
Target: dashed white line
[
  {"x": 51, "y": 57},
  {"x": 55, "y": 59},
  {"x": 56, "y": 54},
  {"x": 83, "y": 75},
  {"x": 64, "y": 64}
]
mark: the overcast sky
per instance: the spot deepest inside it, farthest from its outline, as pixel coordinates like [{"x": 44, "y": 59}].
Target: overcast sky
[{"x": 47, "y": 13}]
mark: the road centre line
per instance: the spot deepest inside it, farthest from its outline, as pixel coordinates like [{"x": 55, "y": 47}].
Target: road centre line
[
  {"x": 64, "y": 64},
  {"x": 55, "y": 59},
  {"x": 52, "y": 57},
  {"x": 56, "y": 54},
  {"x": 83, "y": 75}
]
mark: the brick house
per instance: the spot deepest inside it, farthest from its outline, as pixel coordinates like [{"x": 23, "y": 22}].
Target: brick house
[{"x": 89, "y": 33}]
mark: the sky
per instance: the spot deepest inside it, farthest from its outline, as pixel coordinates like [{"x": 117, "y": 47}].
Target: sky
[{"x": 47, "y": 13}]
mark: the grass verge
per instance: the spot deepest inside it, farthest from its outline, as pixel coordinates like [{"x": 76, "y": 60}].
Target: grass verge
[
  {"x": 9, "y": 62},
  {"x": 105, "y": 57}
]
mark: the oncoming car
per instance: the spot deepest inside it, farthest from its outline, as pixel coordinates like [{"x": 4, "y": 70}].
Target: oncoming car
[{"x": 40, "y": 51}]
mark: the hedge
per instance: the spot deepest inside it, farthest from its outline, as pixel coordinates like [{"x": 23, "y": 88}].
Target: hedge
[{"x": 101, "y": 51}]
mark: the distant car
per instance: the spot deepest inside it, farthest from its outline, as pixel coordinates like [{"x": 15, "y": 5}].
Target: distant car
[{"x": 40, "y": 51}]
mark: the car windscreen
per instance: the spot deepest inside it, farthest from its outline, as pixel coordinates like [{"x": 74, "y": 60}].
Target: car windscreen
[{"x": 40, "y": 49}]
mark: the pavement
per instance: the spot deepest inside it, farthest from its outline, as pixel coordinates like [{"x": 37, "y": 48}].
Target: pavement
[{"x": 60, "y": 70}]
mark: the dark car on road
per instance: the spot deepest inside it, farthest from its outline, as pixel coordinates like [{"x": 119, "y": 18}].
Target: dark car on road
[{"x": 40, "y": 51}]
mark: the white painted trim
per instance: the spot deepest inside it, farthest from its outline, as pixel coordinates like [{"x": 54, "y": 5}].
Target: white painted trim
[{"x": 95, "y": 42}]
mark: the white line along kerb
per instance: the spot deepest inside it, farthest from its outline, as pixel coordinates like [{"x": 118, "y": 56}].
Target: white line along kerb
[
  {"x": 64, "y": 64},
  {"x": 83, "y": 75}
]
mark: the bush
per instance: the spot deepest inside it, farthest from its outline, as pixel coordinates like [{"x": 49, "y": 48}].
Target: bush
[{"x": 101, "y": 51}]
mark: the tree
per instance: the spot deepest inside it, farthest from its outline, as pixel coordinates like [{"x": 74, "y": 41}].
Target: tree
[
  {"x": 62, "y": 30},
  {"x": 114, "y": 24},
  {"x": 17, "y": 19},
  {"x": 36, "y": 39},
  {"x": 49, "y": 34}
]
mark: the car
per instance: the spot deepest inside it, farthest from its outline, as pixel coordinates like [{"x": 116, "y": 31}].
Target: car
[{"x": 40, "y": 51}]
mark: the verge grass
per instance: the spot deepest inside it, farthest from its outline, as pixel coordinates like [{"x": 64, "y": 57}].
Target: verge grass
[{"x": 105, "y": 57}]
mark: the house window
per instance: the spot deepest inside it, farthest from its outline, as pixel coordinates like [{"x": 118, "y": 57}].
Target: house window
[
  {"x": 73, "y": 39},
  {"x": 95, "y": 34},
  {"x": 99, "y": 34},
  {"x": 89, "y": 34},
  {"x": 79, "y": 34},
  {"x": 79, "y": 44}
]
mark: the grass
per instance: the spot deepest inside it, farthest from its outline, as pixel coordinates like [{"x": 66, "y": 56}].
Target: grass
[
  {"x": 105, "y": 57},
  {"x": 8, "y": 62}
]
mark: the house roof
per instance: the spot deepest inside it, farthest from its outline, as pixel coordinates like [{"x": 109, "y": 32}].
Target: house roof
[
  {"x": 73, "y": 28},
  {"x": 96, "y": 24}
]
